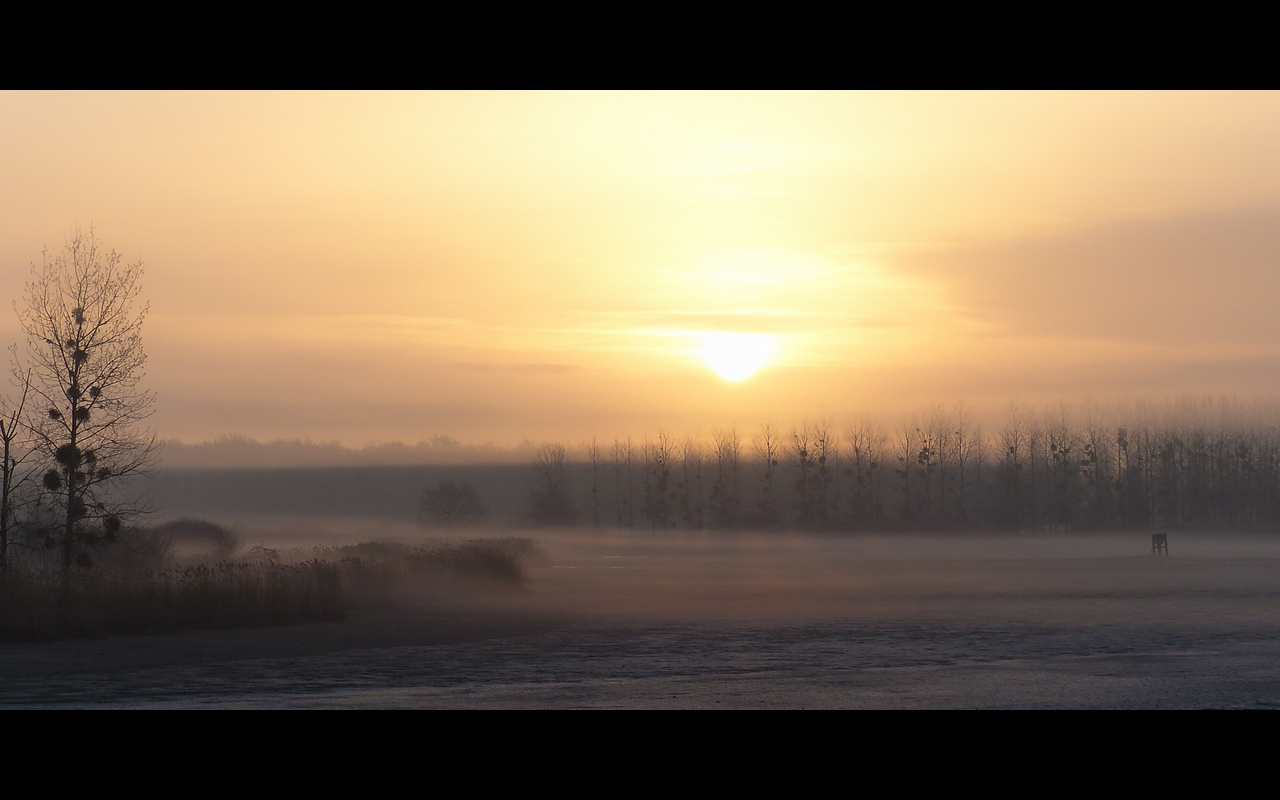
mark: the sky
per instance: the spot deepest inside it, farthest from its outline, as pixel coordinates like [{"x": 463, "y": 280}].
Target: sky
[{"x": 500, "y": 267}]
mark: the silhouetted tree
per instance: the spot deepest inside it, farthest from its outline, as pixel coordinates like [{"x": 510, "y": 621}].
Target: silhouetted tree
[
  {"x": 84, "y": 345},
  {"x": 935, "y": 439},
  {"x": 909, "y": 451},
  {"x": 1095, "y": 466},
  {"x": 865, "y": 445},
  {"x": 549, "y": 496},
  {"x": 13, "y": 475},
  {"x": 803, "y": 463},
  {"x": 690, "y": 488},
  {"x": 1063, "y": 461},
  {"x": 623, "y": 482},
  {"x": 768, "y": 447},
  {"x": 825, "y": 449},
  {"x": 657, "y": 481},
  {"x": 812, "y": 454},
  {"x": 725, "y": 498},
  {"x": 595, "y": 464},
  {"x": 451, "y": 503},
  {"x": 1011, "y": 469},
  {"x": 969, "y": 453}
]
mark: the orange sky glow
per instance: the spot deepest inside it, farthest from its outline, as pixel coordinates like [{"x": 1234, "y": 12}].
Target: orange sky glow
[{"x": 365, "y": 267}]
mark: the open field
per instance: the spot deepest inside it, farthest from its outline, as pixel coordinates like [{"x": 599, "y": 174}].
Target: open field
[{"x": 744, "y": 621}]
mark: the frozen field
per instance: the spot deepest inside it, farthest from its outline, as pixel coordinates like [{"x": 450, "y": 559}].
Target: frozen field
[{"x": 748, "y": 621}]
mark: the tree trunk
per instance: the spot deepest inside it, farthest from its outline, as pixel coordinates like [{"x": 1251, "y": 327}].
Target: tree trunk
[
  {"x": 7, "y": 477},
  {"x": 68, "y": 549}
]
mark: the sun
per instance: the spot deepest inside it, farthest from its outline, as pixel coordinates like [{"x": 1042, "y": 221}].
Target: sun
[{"x": 736, "y": 356}]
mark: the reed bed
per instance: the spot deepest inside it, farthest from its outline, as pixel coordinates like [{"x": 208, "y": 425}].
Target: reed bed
[
  {"x": 380, "y": 572},
  {"x": 263, "y": 591},
  {"x": 203, "y": 597}
]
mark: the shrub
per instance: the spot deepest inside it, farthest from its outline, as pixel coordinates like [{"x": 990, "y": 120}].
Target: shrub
[
  {"x": 451, "y": 503},
  {"x": 221, "y": 542}
]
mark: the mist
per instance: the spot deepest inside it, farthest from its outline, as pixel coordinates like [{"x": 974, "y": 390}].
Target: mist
[
  {"x": 640, "y": 400},
  {"x": 745, "y": 620}
]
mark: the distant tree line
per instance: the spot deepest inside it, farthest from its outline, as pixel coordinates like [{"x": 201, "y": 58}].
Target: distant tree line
[{"x": 1174, "y": 464}]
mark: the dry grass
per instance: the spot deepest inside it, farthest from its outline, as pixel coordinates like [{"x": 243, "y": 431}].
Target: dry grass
[
  {"x": 266, "y": 589},
  {"x": 381, "y": 572},
  {"x": 225, "y": 595}
]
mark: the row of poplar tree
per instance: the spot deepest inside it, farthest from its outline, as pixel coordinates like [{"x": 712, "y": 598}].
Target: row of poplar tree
[{"x": 1212, "y": 462}]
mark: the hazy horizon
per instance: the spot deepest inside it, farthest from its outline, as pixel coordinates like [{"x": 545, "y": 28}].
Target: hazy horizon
[{"x": 1181, "y": 413}]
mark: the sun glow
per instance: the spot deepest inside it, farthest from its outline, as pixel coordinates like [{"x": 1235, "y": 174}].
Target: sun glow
[{"x": 736, "y": 356}]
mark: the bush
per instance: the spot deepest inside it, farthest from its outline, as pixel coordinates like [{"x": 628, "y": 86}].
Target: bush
[
  {"x": 221, "y": 542},
  {"x": 451, "y": 503},
  {"x": 378, "y": 573}
]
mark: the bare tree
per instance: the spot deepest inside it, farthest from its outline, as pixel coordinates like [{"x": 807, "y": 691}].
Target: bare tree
[
  {"x": 596, "y": 463},
  {"x": 692, "y": 491},
  {"x": 813, "y": 455},
  {"x": 724, "y": 492},
  {"x": 623, "y": 491},
  {"x": 826, "y": 455},
  {"x": 1095, "y": 462},
  {"x": 769, "y": 448},
  {"x": 451, "y": 503},
  {"x": 908, "y": 449},
  {"x": 84, "y": 345},
  {"x": 1037, "y": 463},
  {"x": 1063, "y": 462},
  {"x": 155, "y": 543},
  {"x": 968, "y": 458},
  {"x": 934, "y": 459},
  {"x": 1014, "y": 453},
  {"x": 658, "y": 455},
  {"x": 801, "y": 457},
  {"x": 866, "y": 451},
  {"x": 549, "y": 497},
  {"x": 12, "y": 472}
]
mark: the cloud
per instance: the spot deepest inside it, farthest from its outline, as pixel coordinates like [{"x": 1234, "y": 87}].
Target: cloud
[
  {"x": 549, "y": 369},
  {"x": 1197, "y": 278}
]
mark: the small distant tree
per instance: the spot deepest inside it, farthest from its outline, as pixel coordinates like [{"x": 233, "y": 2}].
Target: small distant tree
[
  {"x": 812, "y": 453},
  {"x": 825, "y": 451},
  {"x": 1013, "y": 451},
  {"x": 724, "y": 491},
  {"x": 657, "y": 507},
  {"x": 155, "y": 543},
  {"x": 595, "y": 462},
  {"x": 451, "y": 503},
  {"x": 802, "y": 459},
  {"x": 866, "y": 450},
  {"x": 549, "y": 501},
  {"x": 909, "y": 452},
  {"x": 967, "y": 455},
  {"x": 768, "y": 447},
  {"x": 84, "y": 346},
  {"x": 623, "y": 491},
  {"x": 690, "y": 487}
]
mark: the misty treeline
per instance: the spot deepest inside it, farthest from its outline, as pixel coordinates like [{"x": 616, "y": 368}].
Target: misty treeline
[
  {"x": 240, "y": 452},
  {"x": 1132, "y": 465}
]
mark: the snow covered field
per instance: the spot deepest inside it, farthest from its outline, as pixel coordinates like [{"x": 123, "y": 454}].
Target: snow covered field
[{"x": 748, "y": 621}]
